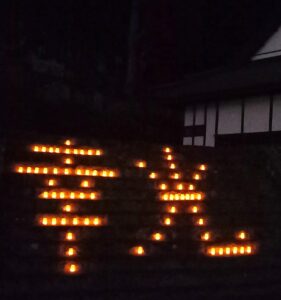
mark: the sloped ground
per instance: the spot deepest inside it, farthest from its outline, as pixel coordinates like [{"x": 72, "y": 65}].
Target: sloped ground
[{"x": 243, "y": 192}]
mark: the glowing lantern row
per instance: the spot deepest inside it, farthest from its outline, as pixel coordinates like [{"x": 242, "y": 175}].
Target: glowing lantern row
[
  {"x": 179, "y": 186},
  {"x": 173, "y": 196},
  {"x": 69, "y": 194},
  {"x": 65, "y": 150},
  {"x": 230, "y": 250},
  {"x": 54, "y": 220},
  {"x": 54, "y": 170},
  {"x": 194, "y": 209}
]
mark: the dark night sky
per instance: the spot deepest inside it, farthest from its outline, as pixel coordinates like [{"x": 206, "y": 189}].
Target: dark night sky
[
  {"x": 89, "y": 40},
  {"x": 175, "y": 37}
]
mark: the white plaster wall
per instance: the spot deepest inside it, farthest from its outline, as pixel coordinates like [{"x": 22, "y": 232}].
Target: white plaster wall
[
  {"x": 199, "y": 116},
  {"x": 188, "y": 116},
  {"x": 256, "y": 114},
  {"x": 276, "y": 113},
  {"x": 188, "y": 121},
  {"x": 187, "y": 141},
  {"x": 272, "y": 44},
  {"x": 198, "y": 140},
  {"x": 211, "y": 125},
  {"x": 230, "y": 114}
]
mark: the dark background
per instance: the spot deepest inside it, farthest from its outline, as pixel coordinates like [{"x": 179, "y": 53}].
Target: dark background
[{"x": 80, "y": 67}]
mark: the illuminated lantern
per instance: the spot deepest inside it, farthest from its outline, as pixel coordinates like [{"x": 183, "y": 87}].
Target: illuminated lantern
[
  {"x": 163, "y": 186},
  {"x": 172, "y": 209},
  {"x": 70, "y": 236},
  {"x": 138, "y": 251},
  {"x": 194, "y": 209},
  {"x": 179, "y": 187},
  {"x": 98, "y": 152},
  {"x": 68, "y": 142},
  {"x": 70, "y": 252},
  {"x": 191, "y": 187},
  {"x": 140, "y": 164},
  {"x": 85, "y": 184},
  {"x": 242, "y": 235},
  {"x": 51, "y": 182},
  {"x": 167, "y": 221},
  {"x": 169, "y": 157},
  {"x": 200, "y": 222},
  {"x": 67, "y": 208},
  {"x": 202, "y": 167},
  {"x": 68, "y": 161},
  {"x": 153, "y": 175},
  {"x": 72, "y": 268},
  {"x": 167, "y": 150},
  {"x": 206, "y": 236},
  {"x": 196, "y": 176},
  {"x": 175, "y": 176},
  {"x": 172, "y": 166},
  {"x": 157, "y": 236}
]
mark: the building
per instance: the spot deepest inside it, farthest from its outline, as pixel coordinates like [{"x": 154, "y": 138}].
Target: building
[{"x": 235, "y": 104}]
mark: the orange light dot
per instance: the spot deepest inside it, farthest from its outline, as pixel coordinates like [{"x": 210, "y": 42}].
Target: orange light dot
[
  {"x": 20, "y": 169},
  {"x": 96, "y": 221},
  {"x": 241, "y": 235},
  {"x": 70, "y": 252},
  {"x": 163, "y": 186},
  {"x": 67, "y": 208},
  {"x": 167, "y": 221},
  {"x": 44, "y": 221},
  {"x": 167, "y": 150},
  {"x": 68, "y": 161},
  {"x": 191, "y": 187},
  {"x": 205, "y": 236},
  {"x": 51, "y": 182},
  {"x": 194, "y": 209},
  {"x": 157, "y": 236},
  {"x": 213, "y": 251},
  {"x": 98, "y": 152},
  {"x": 85, "y": 183},
  {"x": 196, "y": 176},
  {"x": 249, "y": 249},
  {"x": 172, "y": 209},
  {"x": 202, "y": 167},
  {"x": 141, "y": 164},
  {"x": 172, "y": 166},
  {"x": 200, "y": 222},
  {"x": 67, "y": 142},
  {"x": 86, "y": 221},
  {"x": 169, "y": 157},
  {"x": 153, "y": 175},
  {"x": 71, "y": 268},
  {"x": 75, "y": 221},
  {"x": 179, "y": 186},
  {"x": 70, "y": 236},
  {"x": 138, "y": 250}
]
